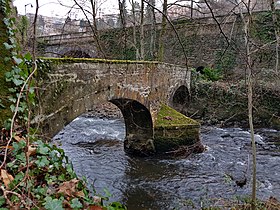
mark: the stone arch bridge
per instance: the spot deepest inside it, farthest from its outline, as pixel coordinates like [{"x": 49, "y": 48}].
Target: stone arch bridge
[
  {"x": 71, "y": 87},
  {"x": 78, "y": 45}
]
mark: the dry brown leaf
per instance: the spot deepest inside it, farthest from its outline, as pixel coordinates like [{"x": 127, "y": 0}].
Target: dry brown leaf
[
  {"x": 6, "y": 177},
  {"x": 80, "y": 194},
  {"x": 4, "y": 147},
  {"x": 68, "y": 188},
  {"x": 17, "y": 138},
  {"x": 97, "y": 199},
  {"x": 167, "y": 118},
  {"x": 95, "y": 208},
  {"x": 31, "y": 150}
]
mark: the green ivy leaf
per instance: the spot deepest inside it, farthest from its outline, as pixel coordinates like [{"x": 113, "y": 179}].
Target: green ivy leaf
[
  {"x": 76, "y": 204},
  {"x": 21, "y": 157},
  {"x": 41, "y": 190},
  {"x": 18, "y": 146},
  {"x": 12, "y": 90},
  {"x": 42, "y": 161},
  {"x": 17, "y": 60},
  {"x": 16, "y": 71},
  {"x": 8, "y": 46},
  {"x": 6, "y": 20},
  {"x": 8, "y": 74},
  {"x": 116, "y": 206},
  {"x": 28, "y": 56},
  {"x": 71, "y": 171},
  {"x": 12, "y": 107},
  {"x": 1, "y": 105},
  {"x": 6, "y": 59},
  {"x": 53, "y": 204},
  {"x": 12, "y": 99},
  {"x": 43, "y": 149},
  {"x": 19, "y": 176},
  {"x": 2, "y": 200},
  {"x": 17, "y": 82}
]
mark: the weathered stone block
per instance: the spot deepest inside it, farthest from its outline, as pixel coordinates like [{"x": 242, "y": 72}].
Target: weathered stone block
[{"x": 173, "y": 131}]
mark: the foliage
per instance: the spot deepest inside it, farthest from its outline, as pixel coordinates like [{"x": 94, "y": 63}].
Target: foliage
[
  {"x": 226, "y": 61},
  {"x": 211, "y": 74},
  {"x": 22, "y": 28},
  {"x": 40, "y": 176},
  {"x": 5, "y": 62},
  {"x": 115, "y": 44},
  {"x": 17, "y": 76},
  {"x": 263, "y": 26},
  {"x": 47, "y": 61}
]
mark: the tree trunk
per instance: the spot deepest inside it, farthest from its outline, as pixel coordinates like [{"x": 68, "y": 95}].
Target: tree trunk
[
  {"x": 191, "y": 9},
  {"x": 134, "y": 30},
  {"x": 142, "y": 47},
  {"x": 162, "y": 32},
  {"x": 276, "y": 32},
  {"x": 123, "y": 24},
  {"x": 249, "y": 65},
  {"x": 94, "y": 26},
  {"x": 152, "y": 21},
  {"x": 95, "y": 30}
]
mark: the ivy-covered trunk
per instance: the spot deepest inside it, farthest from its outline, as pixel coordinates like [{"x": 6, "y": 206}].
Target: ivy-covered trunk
[{"x": 5, "y": 62}]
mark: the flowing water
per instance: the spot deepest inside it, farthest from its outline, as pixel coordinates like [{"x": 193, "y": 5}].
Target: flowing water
[{"x": 95, "y": 147}]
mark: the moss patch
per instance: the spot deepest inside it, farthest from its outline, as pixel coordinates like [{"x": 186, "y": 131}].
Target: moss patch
[
  {"x": 174, "y": 130},
  {"x": 5, "y": 66},
  {"x": 96, "y": 60},
  {"x": 168, "y": 117}
]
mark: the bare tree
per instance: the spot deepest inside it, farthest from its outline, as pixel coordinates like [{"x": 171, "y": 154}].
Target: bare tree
[
  {"x": 163, "y": 30},
  {"x": 123, "y": 15},
  {"x": 151, "y": 20},
  {"x": 247, "y": 21},
  {"x": 142, "y": 47},
  {"x": 276, "y": 32},
  {"x": 134, "y": 28},
  {"x": 94, "y": 25},
  {"x": 123, "y": 21}
]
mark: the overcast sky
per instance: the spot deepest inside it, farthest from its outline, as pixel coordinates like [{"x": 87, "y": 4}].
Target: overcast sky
[{"x": 54, "y": 8}]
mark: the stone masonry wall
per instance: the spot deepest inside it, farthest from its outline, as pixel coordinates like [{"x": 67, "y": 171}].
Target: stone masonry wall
[
  {"x": 74, "y": 86},
  {"x": 202, "y": 40}
]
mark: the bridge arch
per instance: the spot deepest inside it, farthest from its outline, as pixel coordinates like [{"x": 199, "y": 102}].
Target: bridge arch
[
  {"x": 76, "y": 54},
  {"x": 138, "y": 125},
  {"x": 180, "y": 97}
]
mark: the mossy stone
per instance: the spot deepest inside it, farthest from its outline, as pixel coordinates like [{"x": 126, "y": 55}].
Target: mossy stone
[
  {"x": 174, "y": 130},
  {"x": 168, "y": 117}
]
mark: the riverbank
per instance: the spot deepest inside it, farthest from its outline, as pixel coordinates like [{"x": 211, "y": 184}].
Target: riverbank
[
  {"x": 105, "y": 110},
  {"x": 224, "y": 103}
]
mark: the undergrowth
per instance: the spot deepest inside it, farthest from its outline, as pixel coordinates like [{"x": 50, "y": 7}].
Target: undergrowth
[
  {"x": 39, "y": 176},
  {"x": 34, "y": 174}
]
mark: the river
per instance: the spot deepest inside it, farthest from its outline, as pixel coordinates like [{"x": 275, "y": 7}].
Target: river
[{"x": 95, "y": 147}]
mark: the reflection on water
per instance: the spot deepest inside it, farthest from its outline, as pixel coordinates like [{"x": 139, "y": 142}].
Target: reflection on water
[{"x": 95, "y": 147}]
